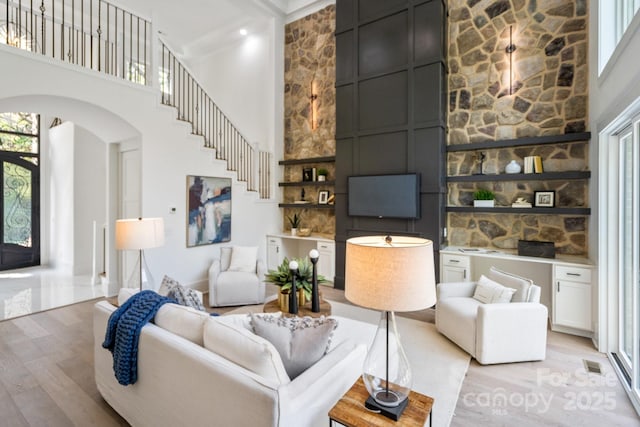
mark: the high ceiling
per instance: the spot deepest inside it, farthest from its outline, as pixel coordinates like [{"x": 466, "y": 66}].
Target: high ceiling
[{"x": 195, "y": 27}]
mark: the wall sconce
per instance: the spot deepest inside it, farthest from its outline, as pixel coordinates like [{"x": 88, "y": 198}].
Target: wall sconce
[
  {"x": 510, "y": 49},
  {"x": 314, "y": 105}
]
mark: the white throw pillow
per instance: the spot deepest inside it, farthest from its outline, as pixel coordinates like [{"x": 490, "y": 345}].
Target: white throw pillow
[
  {"x": 490, "y": 292},
  {"x": 520, "y": 284},
  {"x": 226, "y": 336},
  {"x": 181, "y": 320},
  {"x": 301, "y": 341},
  {"x": 244, "y": 258}
]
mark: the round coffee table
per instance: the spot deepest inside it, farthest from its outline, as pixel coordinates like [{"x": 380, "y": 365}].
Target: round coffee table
[{"x": 305, "y": 310}]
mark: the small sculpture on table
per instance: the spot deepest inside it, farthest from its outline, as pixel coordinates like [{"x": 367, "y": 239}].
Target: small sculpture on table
[
  {"x": 315, "y": 297},
  {"x": 293, "y": 294}
]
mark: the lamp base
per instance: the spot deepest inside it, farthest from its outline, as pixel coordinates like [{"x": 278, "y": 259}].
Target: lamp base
[{"x": 393, "y": 412}]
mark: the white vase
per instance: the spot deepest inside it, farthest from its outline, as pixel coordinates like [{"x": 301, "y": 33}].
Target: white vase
[
  {"x": 483, "y": 203},
  {"x": 322, "y": 177},
  {"x": 294, "y": 231},
  {"x": 513, "y": 167}
]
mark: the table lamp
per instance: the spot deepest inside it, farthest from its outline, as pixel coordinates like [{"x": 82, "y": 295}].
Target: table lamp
[
  {"x": 389, "y": 273},
  {"x": 139, "y": 234}
]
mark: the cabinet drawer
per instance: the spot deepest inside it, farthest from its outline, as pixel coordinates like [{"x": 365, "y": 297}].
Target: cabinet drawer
[
  {"x": 455, "y": 260},
  {"x": 573, "y": 274},
  {"x": 326, "y": 246}
]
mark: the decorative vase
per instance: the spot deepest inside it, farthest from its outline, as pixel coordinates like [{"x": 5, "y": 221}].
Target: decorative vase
[
  {"x": 283, "y": 301},
  {"x": 483, "y": 203},
  {"x": 294, "y": 231},
  {"x": 513, "y": 167},
  {"x": 322, "y": 177}
]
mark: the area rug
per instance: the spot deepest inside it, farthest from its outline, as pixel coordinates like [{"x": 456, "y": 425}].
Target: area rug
[{"x": 439, "y": 366}]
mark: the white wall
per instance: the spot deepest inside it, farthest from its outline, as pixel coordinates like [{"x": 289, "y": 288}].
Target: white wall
[
  {"x": 169, "y": 154},
  {"x": 75, "y": 191},
  {"x": 90, "y": 198},
  {"x": 240, "y": 79},
  {"x": 61, "y": 194}
]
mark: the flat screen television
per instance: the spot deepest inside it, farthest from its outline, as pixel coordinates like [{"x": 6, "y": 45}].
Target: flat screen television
[{"x": 384, "y": 196}]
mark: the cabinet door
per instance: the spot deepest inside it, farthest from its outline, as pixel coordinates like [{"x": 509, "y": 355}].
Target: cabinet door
[
  {"x": 454, "y": 274},
  {"x": 326, "y": 263},
  {"x": 274, "y": 252},
  {"x": 572, "y": 305},
  {"x": 455, "y": 268}
]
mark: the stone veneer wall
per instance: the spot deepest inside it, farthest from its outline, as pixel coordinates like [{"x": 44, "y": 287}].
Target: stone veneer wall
[
  {"x": 550, "y": 82},
  {"x": 310, "y": 56}
]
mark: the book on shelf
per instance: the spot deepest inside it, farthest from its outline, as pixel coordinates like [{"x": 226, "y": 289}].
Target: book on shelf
[{"x": 533, "y": 164}]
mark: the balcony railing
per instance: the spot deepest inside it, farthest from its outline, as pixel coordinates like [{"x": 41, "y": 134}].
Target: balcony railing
[
  {"x": 91, "y": 33},
  {"x": 100, "y": 36}
]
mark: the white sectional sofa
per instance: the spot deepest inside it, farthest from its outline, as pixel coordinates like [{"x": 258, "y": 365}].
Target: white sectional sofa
[{"x": 180, "y": 382}]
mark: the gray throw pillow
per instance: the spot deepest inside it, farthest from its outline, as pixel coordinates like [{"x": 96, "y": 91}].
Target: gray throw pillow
[
  {"x": 300, "y": 341},
  {"x": 182, "y": 294}
]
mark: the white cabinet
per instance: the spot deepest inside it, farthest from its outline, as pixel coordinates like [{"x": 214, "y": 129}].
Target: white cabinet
[
  {"x": 571, "y": 298},
  {"x": 455, "y": 268},
  {"x": 274, "y": 252},
  {"x": 281, "y": 246},
  {"x": 326, "y": 262}
]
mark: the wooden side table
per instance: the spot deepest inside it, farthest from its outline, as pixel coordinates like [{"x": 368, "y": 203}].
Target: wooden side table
[
  {"x": 305, "y": 310},
  {"x": 351, "y": 412}
]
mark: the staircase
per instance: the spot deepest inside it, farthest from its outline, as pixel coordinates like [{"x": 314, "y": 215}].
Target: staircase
[{"x": 108, "y": 39}]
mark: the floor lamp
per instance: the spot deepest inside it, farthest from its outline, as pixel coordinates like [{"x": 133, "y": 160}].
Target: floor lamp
[
  {"x": 389, "y": 274},
  {"x": 139, "y": 234}
]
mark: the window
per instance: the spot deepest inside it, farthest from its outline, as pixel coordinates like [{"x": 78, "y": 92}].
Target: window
[
  {"x": 620, "y": 235},
  {"x": 617, "y": 15}
]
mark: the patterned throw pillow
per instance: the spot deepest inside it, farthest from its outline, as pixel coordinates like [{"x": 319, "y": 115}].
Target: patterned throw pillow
[
  {"x": 182, "y": 294},
  {"x": 300, "y": 341}
]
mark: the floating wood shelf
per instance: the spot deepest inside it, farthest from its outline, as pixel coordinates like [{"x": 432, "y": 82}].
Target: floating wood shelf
[
  {"x": 546, "y": 176},
  {"x": 534, "y": 140},
  {"x": 327, "y": 159},
  {"x": 522, "y": 211}
]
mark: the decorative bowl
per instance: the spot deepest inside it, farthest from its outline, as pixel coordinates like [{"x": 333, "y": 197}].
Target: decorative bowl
[{"x": 304, "y": 232}]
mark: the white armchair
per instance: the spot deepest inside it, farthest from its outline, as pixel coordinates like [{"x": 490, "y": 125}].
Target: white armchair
[
  {"x": 494, "y": 333},
  {"x": 237, "y": 277}
]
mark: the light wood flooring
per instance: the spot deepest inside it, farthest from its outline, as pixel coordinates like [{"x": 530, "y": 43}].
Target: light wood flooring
[{"x": 46, "y": 379}]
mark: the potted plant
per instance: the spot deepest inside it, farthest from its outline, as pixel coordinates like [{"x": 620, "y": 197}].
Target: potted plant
[
  {"x": 322, "y": 174},
  {"x": 283, "y": 278},
  {"x": 295, "y": 223},
  {"x": 483, "y": 198}
]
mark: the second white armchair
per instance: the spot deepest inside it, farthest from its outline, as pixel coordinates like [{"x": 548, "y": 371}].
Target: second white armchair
[{"x": 490, "y": 331}]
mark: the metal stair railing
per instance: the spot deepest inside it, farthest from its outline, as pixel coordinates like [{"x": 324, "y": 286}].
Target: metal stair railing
[
  {"x": 180, "y": 90},
  {"x": 106, "y": 38}
]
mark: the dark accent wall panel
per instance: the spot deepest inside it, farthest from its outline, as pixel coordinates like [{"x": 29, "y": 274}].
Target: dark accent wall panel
[
  {"x": 344, "y": 65},
  {"x": 429, "y": 39},
  {"x": 344, "y": 110},
  {"x": 382, "y": 101},
  {"x": 383, "y": 44},
  {"x": 372, "y": 146},
  {"x": 368, "y": 10},
  {"x": 391, "y": 110}
]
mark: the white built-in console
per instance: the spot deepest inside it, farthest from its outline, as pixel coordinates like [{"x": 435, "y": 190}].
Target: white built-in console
[
  {"x": 566, "y": 281},
  {"x": 281, "y": 246}
]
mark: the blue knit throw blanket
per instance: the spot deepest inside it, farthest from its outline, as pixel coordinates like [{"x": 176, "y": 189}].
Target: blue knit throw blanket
[{"x": 123, "y": 332}]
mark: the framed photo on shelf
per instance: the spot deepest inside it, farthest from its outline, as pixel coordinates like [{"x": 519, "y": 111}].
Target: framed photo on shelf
[
  {"x": 544, "y": 199},
  {"x": 323, "y": 197},
  {"x": 307, "y": 174}
]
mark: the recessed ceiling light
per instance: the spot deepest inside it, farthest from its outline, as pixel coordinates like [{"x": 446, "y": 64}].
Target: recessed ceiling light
[{"x": 243, "y": 32}]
